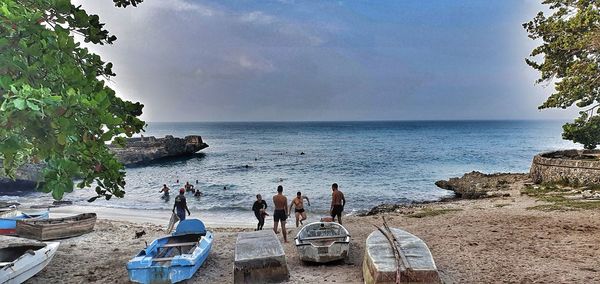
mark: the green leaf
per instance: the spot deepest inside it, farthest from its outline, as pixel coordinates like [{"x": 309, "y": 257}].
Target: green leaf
[
  {"x": 19, "y": 104},
  {"x": 32, "y": 106},
  {"x": 58, "y": 192}
]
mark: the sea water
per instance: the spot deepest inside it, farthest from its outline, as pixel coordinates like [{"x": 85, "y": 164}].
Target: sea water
[{"x": 373, "y": 162}]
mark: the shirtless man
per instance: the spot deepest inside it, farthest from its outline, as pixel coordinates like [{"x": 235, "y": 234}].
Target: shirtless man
[
  {"x": 337, "y": 203},
  {"x": 298, "y": 202},
  {"x": 164, "y": 191},
  {"x": 280, "y": 213}
]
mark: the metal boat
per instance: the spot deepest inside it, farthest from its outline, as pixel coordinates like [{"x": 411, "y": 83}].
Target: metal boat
[{"x": 323, "y": 242}]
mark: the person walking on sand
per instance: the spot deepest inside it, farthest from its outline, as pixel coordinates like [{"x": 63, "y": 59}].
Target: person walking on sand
[
  {"x": 280, "y": 214},
  {"x": 337, "y": 203},
  {"x": 259, "y": 208},
  {"x": 298, "y": 203},
  {"x": 181, "y": 205}
]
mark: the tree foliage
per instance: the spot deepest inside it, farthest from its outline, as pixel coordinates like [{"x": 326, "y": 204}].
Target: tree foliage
[
  {"x": 570, "y": 48},
  {"x": 55, "y": 106}
]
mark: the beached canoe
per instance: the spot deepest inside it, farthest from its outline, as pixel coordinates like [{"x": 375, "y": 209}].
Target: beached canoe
[
  {"x": 380, "y": 264},
  {"x": 172, "y": 258},
  {"x": 259, "y": 258},
  {"x": 8, "y": 225},
  {"x": 56, "y": 228},
  {"x": 20, "y": 262},
  {"x": 323, "y": 242}
]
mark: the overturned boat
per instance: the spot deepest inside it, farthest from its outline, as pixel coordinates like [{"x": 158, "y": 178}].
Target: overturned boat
[
  {"x": 323, "y": 242},
  {"x": 19, "y": 262},
  {"x": 172, "y": 258},
  {"x": 393, "y": 255},
  {"x": 56, "y": 228}
]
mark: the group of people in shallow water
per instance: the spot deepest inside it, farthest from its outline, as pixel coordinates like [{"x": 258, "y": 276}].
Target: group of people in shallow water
[{"x": 281, "y": 212}]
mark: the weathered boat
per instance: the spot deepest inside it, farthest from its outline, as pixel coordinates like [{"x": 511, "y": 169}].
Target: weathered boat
[
  {"x": 408, "y": 260},
  {"x": 172, "y": 258},
  {"x": 8, "y": 225},
  {"x": 9, "y": 212},
  {"x": 56, "y": 228},
  {"x": 20, "y": 262},
  {"x": 323, "y": 242}
]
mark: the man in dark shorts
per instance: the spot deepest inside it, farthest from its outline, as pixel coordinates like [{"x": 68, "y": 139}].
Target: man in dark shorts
[
  {"x": 259, "y": 208},
  {"x": 337, "y": 203},
  {"x": 165, "y": 192},
  {"x": 280, "y": 214},
  {"x": 181, "y": 205},
  {"x": 298, "y": 203}
]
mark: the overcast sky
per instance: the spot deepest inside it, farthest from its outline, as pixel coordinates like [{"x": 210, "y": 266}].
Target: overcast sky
[{"x": 189, "y": 60}]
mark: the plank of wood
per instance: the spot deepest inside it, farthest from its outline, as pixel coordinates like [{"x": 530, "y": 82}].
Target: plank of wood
[
  {"x": 178, "y": 245},
  {"x": 161, "y": 259}
]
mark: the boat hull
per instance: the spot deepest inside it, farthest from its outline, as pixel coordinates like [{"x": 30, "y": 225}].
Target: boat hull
[
  {"x": 56, "y": 228},
  {"x": 149, "y": 267},
  {"x": 8, "y": 226},
  {"x": 323, "y": 242},
  {"x": 28, "y": 265}
]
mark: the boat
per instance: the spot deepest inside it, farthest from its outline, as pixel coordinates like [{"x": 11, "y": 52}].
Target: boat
[
  {"x": 8, "y": 224},
  {"x": 323, "y": 242},
  {"x": 393, "y": 255},
  {"x": 19, "y": 262},
  {"x": 56, "y": 228},
  {"x": 173, "y": 258},
  {"x": 9, "y": 212}
]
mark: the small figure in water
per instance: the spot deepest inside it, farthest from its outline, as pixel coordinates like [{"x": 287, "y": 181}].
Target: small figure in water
[
  {"x": 298, "y": 203},
  {"x": 188, "y": 187},
  {"x": 280, "y": 214},
  {"x": 196, "y": 181},
  {"x": 165, "y": 192},
  {"x": 198, "y": 194},
  {"x": 259, "y": 207},
  {"x": 181, "y": 205},
  {"x": 337, "y": 203},
  {"x": 224, "y": 188}
]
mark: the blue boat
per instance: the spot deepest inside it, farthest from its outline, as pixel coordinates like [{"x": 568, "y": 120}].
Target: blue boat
[
  {"x": 174, "y": 258},
  {"x": 8, "y": 222}
]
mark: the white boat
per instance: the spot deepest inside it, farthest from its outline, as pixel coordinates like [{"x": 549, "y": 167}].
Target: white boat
[
  {"x": 19, "y": 262},
  {"x": 323, "y": 242}
]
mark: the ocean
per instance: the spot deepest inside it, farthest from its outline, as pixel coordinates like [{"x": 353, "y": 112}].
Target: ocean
[{"x": 373, "y": 162}]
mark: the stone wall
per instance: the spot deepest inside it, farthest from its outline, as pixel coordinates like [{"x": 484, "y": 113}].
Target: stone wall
[{"x": 581, "y": 167}]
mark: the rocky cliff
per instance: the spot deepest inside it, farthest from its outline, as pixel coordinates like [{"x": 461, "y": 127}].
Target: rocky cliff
[{"x": 138, "y": 151}]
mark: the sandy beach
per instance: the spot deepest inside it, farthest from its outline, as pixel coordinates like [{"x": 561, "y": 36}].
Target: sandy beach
[{"x": 472, "y": 241}]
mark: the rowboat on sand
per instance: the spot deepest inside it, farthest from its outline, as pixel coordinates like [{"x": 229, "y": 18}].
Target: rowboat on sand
[
  {"x": 19, "y": 262},
  {"x": 56, "y": 228},
  {"x": 8, "y": 224},
  {"x": 172, "y": 258},
  {"x": 323, "y": 242}
]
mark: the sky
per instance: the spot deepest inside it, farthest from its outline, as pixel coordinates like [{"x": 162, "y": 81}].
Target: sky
[{"x": 287, "y": 60}]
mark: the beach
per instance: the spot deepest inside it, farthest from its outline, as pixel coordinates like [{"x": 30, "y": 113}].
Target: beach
[{"x": 500, "y": 239}]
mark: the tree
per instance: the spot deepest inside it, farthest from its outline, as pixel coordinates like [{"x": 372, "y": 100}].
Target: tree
[
  {"x": 570, "y": 48},
  {"x": 55, "y": 106}
]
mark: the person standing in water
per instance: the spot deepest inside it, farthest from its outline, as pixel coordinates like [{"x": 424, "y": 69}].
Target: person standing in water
[
  {"x": 337, "y": 203},
  {"x": 259, "y": 208},
  {"x": 280, "y": 214},
  {"x": 181, "y": 205},
  {"x": 164, "y": 191},
  {"x": 298, "y": 202}
]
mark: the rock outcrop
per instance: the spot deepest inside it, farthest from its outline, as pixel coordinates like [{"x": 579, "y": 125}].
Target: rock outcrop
[
  {"x": 147, "y": 149},
  {"x": 476, "y": 185},
  {"x": 138, "y": 151}
]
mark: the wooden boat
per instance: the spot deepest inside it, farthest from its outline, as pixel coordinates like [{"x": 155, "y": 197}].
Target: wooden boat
[
  {"x": 8, "y": 225},
  {"x": 9, "y": 212},
  {"x": 20, "y": 262},
  {"x": 407, "y": 261},
  {"x": 172, "y": 258},
  {"x": 56, "y": 228},
  {"x": 323, "y": 242}
]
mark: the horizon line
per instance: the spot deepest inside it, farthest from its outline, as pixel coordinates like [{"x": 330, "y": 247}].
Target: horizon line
[{"x": 374, "y": 120}]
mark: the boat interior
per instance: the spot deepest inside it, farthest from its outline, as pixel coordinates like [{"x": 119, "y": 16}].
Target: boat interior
[
  {"x": 320, "y": 232},
  {"x": 176, "y": 245},
  {"x": 11, "y": 253},
  {"x": 76, "y": 218}
]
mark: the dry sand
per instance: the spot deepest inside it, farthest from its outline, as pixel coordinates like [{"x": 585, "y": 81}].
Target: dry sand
[{"x": 484, "y": 241}]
